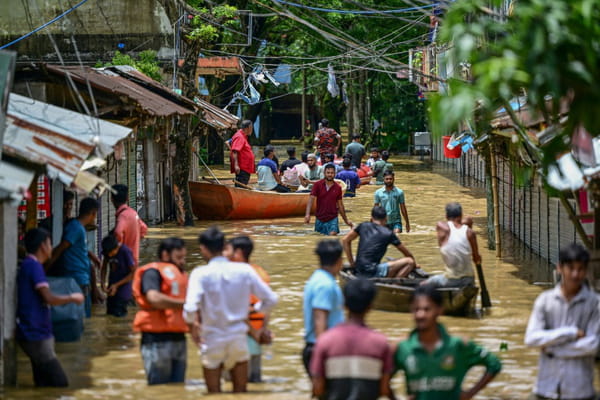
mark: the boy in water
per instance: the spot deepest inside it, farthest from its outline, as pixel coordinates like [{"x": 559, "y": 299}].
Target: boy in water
[{"x": 118, "y": 261}]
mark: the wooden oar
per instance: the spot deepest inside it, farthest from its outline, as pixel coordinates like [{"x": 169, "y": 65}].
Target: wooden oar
[
  {"x": 243, "y": 185},
  {"x": 485, "y": 296}
]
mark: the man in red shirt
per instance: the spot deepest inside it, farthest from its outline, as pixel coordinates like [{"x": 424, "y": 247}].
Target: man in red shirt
[
  {"x": 129, "y": 227},
  {"x": 327, "y": 140},
  {"x": 329, "y": 200},
  {"x": 242, "y": 157}
]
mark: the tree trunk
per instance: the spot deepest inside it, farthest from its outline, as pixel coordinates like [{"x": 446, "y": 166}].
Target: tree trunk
[{"x": 181, "y": 173}]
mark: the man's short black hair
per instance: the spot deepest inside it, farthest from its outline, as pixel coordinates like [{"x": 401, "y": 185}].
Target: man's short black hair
[
  {"x": 119, "y": 196},
  {"x": 325, "y": 122},
  {"x": 329, "y": 252},
  {"x": 388, "y": 172},
  {"x": 244, "y": 243},
  {"x": 572, "y": 253},
  {"x": 347, "y": 162},
  {"x": 68, "y": 195},
  {"x": 359, "y": 295},
  {"x": 328, "y": 156},
  {"x": 385, "y": 155},
  {"x": 328, "y": 165},
  {"x": 34, "y": 239},
  {"x": 88, "y": 206},
  {"x": 213, "y": 239},
  {"x": 291, "y": 151},
  {"x": 267, "y": 151},
  {"x": 109, "y": 243},
  {"x": 170, "y": 244},
  {"x": 374, "y": 149},
  {"x": 453, "y": 210},
  {"x": 430, "y": 292},
  {"x": 355, "y": 136},
  {"x": 245, "y": 124},
  {"x": 304, "y": 156},
  {"x": 378, "y": 213}
]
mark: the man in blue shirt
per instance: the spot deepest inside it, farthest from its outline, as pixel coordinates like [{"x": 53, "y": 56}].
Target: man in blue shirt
[
  {"x": 349, "y": 177},
  {"x": 34, "y": 298},
  {"x": 392, "y": 199},
  {"x": 268, "y": 175},
  {"x": 72, "y": 254},
  {"x": 323, "y": 300}
]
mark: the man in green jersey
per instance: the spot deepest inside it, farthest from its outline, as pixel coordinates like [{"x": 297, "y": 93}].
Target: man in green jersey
[{"x": 436, "y": 363}]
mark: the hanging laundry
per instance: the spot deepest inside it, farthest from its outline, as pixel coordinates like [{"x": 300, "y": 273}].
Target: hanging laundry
[
  {"x": 256, "y": 127},
  {"x": 283, "y": 74},
  {"x": 332, "y": 85},
  {"x": 202, "y": 87},
  {"x": 254, "y": 94},
  {"x": 345, "y": 93},
  {"x": 239, "y": 111},
  {"x": 271, "y": 78}
]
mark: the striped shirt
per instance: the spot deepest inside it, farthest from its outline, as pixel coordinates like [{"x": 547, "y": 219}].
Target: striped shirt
[{"x": 566, "y": 364}]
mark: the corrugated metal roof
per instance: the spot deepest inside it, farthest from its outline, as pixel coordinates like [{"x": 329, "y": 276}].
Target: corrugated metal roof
[
  {"x": 14, "y": 182},
  {"x": 212, "y": 115},
  {"x": 55, "y": 137},
  {"x": 110, "y": 81}
]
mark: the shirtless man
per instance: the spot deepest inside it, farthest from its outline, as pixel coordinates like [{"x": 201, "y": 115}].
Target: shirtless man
[{"x": 458, "y": 246}]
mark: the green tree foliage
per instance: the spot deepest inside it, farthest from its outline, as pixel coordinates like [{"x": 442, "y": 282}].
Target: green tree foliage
[
  {"x": 146, "y": 62},
  {"x": 546, "y": 51}
]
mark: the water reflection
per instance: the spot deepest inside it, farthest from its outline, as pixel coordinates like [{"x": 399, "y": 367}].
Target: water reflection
[{"x": 106, "y": 364}]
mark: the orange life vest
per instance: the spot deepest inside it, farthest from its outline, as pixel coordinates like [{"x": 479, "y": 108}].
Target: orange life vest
[
  {"x": 174, "y": 284},
  {"x": 257, "y": 319}
]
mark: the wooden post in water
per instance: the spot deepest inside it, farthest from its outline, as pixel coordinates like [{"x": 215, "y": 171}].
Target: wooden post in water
[{"x": 494, "y": 176}]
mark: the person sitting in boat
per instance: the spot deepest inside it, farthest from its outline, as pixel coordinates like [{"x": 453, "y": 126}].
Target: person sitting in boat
[
  {"x": 375, "y": 236},
  {"x": 268, "y": 175},
  {"x": 349, "y": 177},
  {"x": 458, "y": 246},
  {"x": 374, "y": 157},
  {"x": 313, "y": 174}
]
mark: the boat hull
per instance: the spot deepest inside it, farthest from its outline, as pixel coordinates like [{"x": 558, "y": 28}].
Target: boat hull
[
  {"x": 218, "y": 202},
  {"x": 394, "y": 294}
]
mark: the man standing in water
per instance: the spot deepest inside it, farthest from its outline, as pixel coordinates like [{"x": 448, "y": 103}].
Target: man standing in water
[
  {"x": 242, "y": 157},
  {"x": 374, "y": 239},
  {"x": 356, "y": 149},
  {"x": 129, "y": 227},
  {"x": 436, "y": 363},
  {"x": 352, "y": 361},
  {"x": 458, "y": 246},
  {"x": 392, "y": 199},
  {"x": 159, "y": 290},
  {"x": 328, "y": 195},
  {"x": 327, "y": 140},
  {"x": 565, "y": 325},
  {"x": 216, "y": 309},
  {"x": 323, "y": 301}
]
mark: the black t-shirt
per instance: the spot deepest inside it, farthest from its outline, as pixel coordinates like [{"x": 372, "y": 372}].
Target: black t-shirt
[
  {"x": 374, "y": 240},
  {"x": 151, "y": 280},
  {"x": 289, "y": 163}
]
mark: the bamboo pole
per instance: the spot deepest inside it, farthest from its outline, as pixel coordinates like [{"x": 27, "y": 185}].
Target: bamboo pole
[
  {"x": 494, "y": 173},
  {"x": 576, "y": 222}
]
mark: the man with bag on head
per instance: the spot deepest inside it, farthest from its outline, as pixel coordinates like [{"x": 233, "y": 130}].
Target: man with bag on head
[{"x": 159, "y": 289}]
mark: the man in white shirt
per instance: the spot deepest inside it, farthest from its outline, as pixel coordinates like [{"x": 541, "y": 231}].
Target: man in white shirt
[
  {"x": 216, "y": 309},
  {"x": 565, "y": 324}
]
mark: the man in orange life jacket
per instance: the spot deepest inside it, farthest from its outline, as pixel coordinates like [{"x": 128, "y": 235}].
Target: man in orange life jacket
[
  {"x": 159, "y": 289},
  {"x": 239, "y": 249}
]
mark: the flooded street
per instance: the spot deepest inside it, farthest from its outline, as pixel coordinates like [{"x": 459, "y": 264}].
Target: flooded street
[{"x": 106, "y": 364}]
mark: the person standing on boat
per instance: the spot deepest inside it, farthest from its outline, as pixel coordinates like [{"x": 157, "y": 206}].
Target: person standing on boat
[
  {"x": 352, "y": 361},
  {"x": 323, "y": 305},
  {"x": 435, "y": 363},
  {"x": 375, "y": 237},
  {"x": 565, "y": 325},
  {"x": 328, "y": 195},
  {"x": 268, "y": 175},
  {"x": 392, "y": 199},
  {"x": 312, "y": 174},
  {"x": 458, "y": 246},
  {"x": 327, "y": 140},
  {"x": 242, "y": 157}
]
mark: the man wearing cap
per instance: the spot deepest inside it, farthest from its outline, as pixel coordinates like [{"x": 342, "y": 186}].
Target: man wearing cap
[{"x": 312, "y": 174}]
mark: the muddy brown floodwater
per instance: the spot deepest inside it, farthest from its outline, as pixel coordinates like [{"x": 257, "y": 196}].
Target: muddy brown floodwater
[{"x": 106, "y": 363}]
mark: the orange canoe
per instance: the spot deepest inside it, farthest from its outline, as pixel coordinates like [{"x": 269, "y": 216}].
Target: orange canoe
[{"x": 217, "y": 202}]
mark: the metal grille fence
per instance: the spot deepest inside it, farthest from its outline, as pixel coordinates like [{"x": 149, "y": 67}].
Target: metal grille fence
[{"x": 526, "y": 211}]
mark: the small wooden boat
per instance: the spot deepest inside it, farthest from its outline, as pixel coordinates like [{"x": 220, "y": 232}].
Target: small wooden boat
[
  {"x": 217, "y": 202},
  {"x": 393, "y": 294},
  {"x": 365, "y": 174}
]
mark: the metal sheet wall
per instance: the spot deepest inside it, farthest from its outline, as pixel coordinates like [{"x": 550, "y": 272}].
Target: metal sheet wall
[{"x": 526, "y": 210}]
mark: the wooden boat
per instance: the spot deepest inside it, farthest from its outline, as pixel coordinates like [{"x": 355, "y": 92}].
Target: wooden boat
[
  {"x": 217, "y": 202},
  {"x": 393, "y": 294},
  {"x": 365, "y": 174}
]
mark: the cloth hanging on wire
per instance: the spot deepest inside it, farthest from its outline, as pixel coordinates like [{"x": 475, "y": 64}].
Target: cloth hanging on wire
[
  {"x": 332, "y": 85},
  {"x": 345, "y": 93}
]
